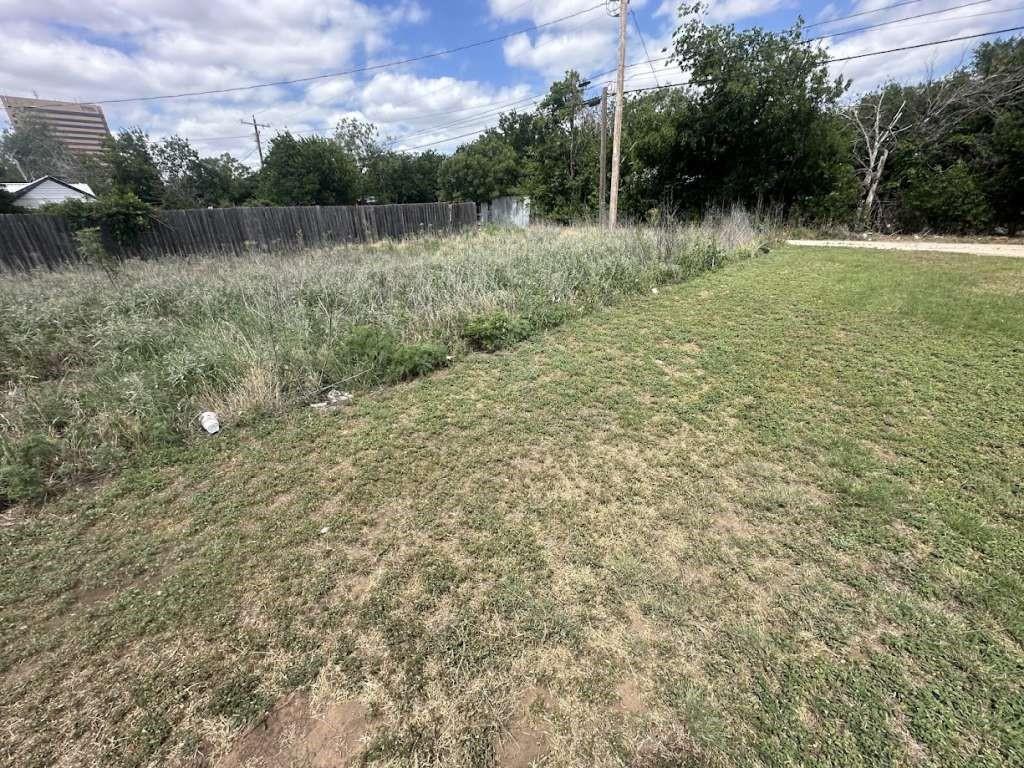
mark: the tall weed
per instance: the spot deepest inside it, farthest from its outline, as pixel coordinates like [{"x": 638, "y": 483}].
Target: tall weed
[{"x": 95, "y": 372}]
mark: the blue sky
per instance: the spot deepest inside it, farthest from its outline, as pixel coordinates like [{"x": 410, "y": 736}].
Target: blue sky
[{"x": 120, "y": 49}]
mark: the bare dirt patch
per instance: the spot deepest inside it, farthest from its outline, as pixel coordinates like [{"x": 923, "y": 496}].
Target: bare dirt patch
[
  {"x": 629, "y": 696},
  {"x": 293, "y": 734},
  {"x": 527, "y": 743}
]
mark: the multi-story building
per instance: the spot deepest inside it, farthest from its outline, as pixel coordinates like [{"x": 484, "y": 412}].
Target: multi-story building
[{"x": 82, "y": 127}]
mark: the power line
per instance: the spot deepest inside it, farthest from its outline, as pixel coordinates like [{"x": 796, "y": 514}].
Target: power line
[
  {"x": 864, "y": 13},
  {"x": 895, "y": 21},
  {"x": 496, "y": 108},
  {"x": 643, "y": 42},
  {"x": 446, "y": 140},
  {"x": 925, "y": 45},
  {"x": 541, "y": 44},
  {"x": 356, "y": 70}
]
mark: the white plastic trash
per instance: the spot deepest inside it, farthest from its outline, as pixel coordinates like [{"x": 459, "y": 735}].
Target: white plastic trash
[
  {"x": 209, "y": 421},
  {"x": 334, "y": 397}
]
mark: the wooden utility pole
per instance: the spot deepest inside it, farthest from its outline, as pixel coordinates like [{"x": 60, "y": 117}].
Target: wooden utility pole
[
  {"x": 620, "y": 84},
  {"x": 256, "y": 129},
  {"x": 602, "y": 184}
]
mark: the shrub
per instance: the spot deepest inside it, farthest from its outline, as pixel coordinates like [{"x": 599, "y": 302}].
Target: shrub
[
  {"x": 376, "y": 354},
  {"x": 946, "y": 199},
  {"x": 121, "y": 216},
  {"x": 89, "y": 244},
  {"x": 124, "y": 217},
  {"x": 494, "y": 331},
  {"x": 7, "y": 202},
  {"x": 27, "y": 467}
]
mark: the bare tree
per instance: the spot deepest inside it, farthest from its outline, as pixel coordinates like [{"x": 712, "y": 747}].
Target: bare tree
[
  {"x": 931, "y": 111},
  {"x": 878, "y": 118}
]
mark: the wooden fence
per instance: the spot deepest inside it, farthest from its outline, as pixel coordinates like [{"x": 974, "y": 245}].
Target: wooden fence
[{"x": 29, "y": 241}]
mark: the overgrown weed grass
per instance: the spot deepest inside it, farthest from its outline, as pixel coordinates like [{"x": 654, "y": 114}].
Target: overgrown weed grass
[{"x": 96, "y": 371}]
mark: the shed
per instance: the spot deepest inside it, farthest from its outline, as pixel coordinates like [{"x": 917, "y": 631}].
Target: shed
[
  {"x": 506, "y": 211},
  {"x": 48, "y": 189}
]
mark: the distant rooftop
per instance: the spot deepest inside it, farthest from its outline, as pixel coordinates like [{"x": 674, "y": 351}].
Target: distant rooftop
[{"x": 82, "y": 127}]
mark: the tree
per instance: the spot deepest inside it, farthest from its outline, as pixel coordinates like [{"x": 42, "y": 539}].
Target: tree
[
  {"x": 402, "y": 177},
  {"x": 223, "y": 180},
  {"x": 308, "y": 171},
  {"x": 948, "y": 141},
  {"x": 481, "y": 170},
  {"x": 763, "y": 125},
  {"x": 1003, "y": 156},
  {"x": 32, "y": 150},
  {"x": 656, "y": 163},
  {"x": 8, "y": 171},
  {"x": 126, "y": 164},
  {"x": 878, "y": 118},
  {"x": 179, "y": 166},
  {"x": 561, "y": 162}
]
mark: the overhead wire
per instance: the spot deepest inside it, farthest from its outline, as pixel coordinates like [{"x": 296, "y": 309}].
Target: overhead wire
[
  {"x": 353, "y": 71},
  {"x": 863, "y": 13},
  {"x": 829, "y": 61},
  {"x": 895, "y": 21},
  {"x": 643, "y": 42}
]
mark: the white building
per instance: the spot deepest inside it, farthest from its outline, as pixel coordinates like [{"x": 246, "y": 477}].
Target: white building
[{"x": 34, "y": 194}]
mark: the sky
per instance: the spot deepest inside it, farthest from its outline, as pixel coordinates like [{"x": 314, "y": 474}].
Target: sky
[{"x": 108, "y": 50}]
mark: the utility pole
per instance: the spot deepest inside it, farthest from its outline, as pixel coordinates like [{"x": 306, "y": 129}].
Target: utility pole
[
  {"x": 602, "y": 185},
  {"x": 620, "y": 85},
  {"x": 256, "y": 129}
]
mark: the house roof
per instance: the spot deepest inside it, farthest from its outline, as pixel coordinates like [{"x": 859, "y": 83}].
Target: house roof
[{"x": 20, "y": 188}]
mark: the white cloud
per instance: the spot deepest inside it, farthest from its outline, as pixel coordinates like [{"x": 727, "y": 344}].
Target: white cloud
[
  {"x": 734, "y": 10},
  {"x": 95, "y": 50},
  {"x": 552, "y": 54},
  {"x": 728, "y": 10},
  {"x": 419, "y": 111}
]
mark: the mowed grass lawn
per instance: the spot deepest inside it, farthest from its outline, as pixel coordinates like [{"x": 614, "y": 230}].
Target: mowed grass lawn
[{"x": 772, "y": 516}]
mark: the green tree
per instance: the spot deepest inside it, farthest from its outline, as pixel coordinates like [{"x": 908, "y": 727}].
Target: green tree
[
  {"x": 31, "y": 150},
  {"x": 1002, "y": 165},
  {"x": 126, "y": 164},
  {"x": 561, "y": 162},
  {"x": 179, "y": 165},
  {"x": 223, "y": 180},
  {"x": 481, "y": 170},
  {"x": 945, "y": 199},
  {"x": 403, "y": 177},
  {"x": 764, "y": 126},
  {"x": 308, "y": 171},
  {"x": 655, "y": 157}
]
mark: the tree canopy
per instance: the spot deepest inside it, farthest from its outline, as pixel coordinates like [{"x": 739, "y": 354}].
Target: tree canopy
[{"x": 311, "y": 170}]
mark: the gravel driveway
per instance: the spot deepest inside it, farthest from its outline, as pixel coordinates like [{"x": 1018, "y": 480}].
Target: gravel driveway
[{"x": 978, "y": 249}]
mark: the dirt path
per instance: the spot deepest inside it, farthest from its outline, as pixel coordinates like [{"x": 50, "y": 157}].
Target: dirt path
[{"x": 978, "y": 249}]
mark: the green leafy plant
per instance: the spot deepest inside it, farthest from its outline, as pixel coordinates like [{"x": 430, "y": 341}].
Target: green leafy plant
[
  {"x": 89, "y": 244},
  {"x": 27, "y": 466},
  {"x": 378, "y": 354},
  {"x": 498, "y": 330},
  {"x": 124, "y": 217},
  {"x": 120, "y": 215},
  {"x": 7, "y": 202}
]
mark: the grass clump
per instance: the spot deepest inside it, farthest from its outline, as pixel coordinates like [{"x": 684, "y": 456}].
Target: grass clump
[{"x": 100, "y": 371}]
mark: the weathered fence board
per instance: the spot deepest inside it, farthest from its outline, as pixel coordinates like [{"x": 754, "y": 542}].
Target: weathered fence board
[{"x": 29, "y": 241}]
